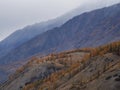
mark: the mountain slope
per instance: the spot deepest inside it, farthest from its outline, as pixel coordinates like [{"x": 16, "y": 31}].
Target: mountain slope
[
  {"x": 80, "y": 69},
  {"x": 89, "y": 29},
  {"x": 23, "y": 35}
]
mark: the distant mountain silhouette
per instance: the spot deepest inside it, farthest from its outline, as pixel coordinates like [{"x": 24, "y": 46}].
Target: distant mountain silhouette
[
  {"x": 23, "y": 35},
  {"x": 89, "y": 29}
]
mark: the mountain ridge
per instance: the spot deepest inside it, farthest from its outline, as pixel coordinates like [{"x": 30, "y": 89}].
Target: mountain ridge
[
  {"x": 62, "y": 38},
  {"x": 15, "y": 39},
  {"x": 89, "y": 29}
]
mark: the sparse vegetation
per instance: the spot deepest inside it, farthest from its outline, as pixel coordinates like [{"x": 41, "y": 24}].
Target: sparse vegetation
[{"x": 71, "y": 67}]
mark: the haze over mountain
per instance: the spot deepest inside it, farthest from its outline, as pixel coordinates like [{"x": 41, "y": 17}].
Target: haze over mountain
[
  {"x": 17, "y": 14},
  {"x": 79, "y": 50},
  {"x": 90, "y": 29},
  {"x": 23, "y": 35}
]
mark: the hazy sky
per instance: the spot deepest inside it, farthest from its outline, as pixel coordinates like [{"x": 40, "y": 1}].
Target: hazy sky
[{"x": 15, "y": 14}]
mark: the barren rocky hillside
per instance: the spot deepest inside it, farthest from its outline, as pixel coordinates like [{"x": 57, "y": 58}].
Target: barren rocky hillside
[{"x": 81, "y": 69}]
